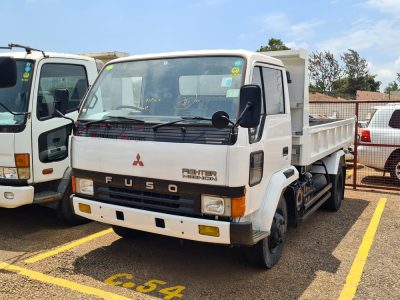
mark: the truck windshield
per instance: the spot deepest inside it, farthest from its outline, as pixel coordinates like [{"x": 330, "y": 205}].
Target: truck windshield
[
  {"x": 162, "y": 90},
  {"x": 16, "y": 98}
]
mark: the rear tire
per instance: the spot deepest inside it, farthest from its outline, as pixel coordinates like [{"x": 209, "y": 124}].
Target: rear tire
[
  {"x": 268, "y": 251},
  {"x": 65, "y": 210},
  {"x": 337, "y": 192},
  {"x": 127, "y": 232}
]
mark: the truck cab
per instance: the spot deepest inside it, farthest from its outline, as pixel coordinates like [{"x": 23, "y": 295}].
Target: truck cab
[
  {"x": 34, "y": 141},
  {"x": 206, "y": 146}
]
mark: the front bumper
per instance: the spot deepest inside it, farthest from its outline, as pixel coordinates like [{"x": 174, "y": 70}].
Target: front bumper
[
  {"x": 175, "y": 226},
  {"x": 22, "y": 195}
]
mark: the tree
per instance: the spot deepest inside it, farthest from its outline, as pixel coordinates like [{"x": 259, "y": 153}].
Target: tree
[
  {"x": 273, "y": 45},
  {"x": 373, "y": 85},
  {"x": 356, "y": 69},
  {"x": 391, "y": 87},
  {"x": 324, "y": 71}
]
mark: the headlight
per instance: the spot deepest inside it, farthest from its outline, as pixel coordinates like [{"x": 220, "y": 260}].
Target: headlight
[
  {"x": 22, "y": 170},
  {"x": 214, "y": 205},
  {"x": 24, "y": 173},
  {"x": 84, "y": 186},
  {"x": 9, "y": 173}
]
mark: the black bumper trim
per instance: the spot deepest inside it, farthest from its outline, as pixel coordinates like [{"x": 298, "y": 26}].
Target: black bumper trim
[{"x": 241, "y": 234}]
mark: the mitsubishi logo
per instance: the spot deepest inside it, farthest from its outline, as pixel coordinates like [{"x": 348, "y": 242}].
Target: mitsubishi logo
[{"x": 138, "y": 162}]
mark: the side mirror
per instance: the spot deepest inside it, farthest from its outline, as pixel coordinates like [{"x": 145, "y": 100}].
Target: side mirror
[
  {"x": 220, "y": 119},
  {"x": 61, "y": 98},
  {"x": 250, "y": 106},
  {"x": 8, "y": 72}
]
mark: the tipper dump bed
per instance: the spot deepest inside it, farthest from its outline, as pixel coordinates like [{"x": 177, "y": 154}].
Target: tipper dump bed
[{"x": 313, "y": 139}]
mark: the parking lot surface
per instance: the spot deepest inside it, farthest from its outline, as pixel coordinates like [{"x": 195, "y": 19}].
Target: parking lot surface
[{"x": 41, "y": 258}]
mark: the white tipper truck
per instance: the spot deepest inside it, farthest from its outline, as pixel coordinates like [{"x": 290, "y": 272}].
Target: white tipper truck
[
  {"x": 34, "y": 142},
  {"x": 211, "y": 146}
]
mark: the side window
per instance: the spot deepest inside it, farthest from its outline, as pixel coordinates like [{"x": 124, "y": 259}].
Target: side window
[
  {"x": 60, "y": 76},
  {"x": 394, "y": 121},
  {"x": 273, "y": 88},
  {"x": 256, "y": 132},
  {"x": 53, "y": 145}
]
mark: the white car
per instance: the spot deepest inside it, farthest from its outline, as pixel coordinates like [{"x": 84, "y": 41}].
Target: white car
[{"x": 384, "y": 129}]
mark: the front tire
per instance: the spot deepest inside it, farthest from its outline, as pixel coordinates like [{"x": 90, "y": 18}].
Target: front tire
[
  {"x": 268, "y": 251},
  {"x": 65, "y": 210}
]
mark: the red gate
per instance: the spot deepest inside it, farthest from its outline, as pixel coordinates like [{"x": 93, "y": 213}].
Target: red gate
[{"x": 374, "y": 159}]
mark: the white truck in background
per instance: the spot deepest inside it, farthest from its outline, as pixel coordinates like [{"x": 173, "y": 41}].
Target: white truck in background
[
  {"x": 211, "y": 146},
  {"x": 34, "y": 143}
]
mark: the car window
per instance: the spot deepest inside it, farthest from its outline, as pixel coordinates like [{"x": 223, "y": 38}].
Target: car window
[{"x": 394, "y": 121}]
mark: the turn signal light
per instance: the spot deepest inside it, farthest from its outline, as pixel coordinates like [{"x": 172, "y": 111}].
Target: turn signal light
[
  {"x": 73, "y": 184},
  {"x": 22, "y": 160},
  {"x": 209, "y": 230},
  {"x": 85, "y": 208},
  {"x": 366, "y": 136},
  {"x": 238, "y": 207}
]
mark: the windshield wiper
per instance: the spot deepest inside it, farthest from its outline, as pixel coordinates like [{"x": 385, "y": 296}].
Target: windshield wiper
[
  {"x": 114, "y": 118},
  {"x": 11, "y": 112},
  {"x": 155, "y": 127}
]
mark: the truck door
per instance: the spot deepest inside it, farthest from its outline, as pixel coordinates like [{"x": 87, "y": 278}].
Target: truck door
[
  {"x": 273, "y": 136},
  {"x": 50, "y": 135}
]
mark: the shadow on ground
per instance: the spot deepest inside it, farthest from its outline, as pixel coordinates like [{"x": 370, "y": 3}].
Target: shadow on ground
[
  {"x": 381, "y": 181},
  {"x": 31, "y": 228},
  {"x": 214, "y": 271}
]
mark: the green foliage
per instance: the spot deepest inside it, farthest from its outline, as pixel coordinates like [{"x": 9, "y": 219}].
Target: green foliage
[
  {"x": 324, "y": 71},
  {"x": 393, "y": 86},
  {"x": 329, "y": 76},
  {"x": 356, "y": 69},
  {"x": 274, "y": 45},
  {"x": 372, "y": 84}
]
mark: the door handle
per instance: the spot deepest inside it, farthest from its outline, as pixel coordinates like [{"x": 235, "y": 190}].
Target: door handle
[{"x": 285, "y": 151}]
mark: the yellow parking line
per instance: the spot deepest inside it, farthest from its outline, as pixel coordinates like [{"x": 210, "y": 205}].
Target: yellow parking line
[
  {"x": 354, "y": 276},
  {"x": 60, "y": 282},
  {"x": 67, "y": 246}
]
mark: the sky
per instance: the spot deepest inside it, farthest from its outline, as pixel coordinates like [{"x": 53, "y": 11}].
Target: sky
[{"x": 371, "y": 27}]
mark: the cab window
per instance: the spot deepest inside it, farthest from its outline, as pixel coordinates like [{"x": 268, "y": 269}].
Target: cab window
[
  {"x": 273, "y": 88},
  {"x": 255, "y": 133},
  {"x": 60, "y": 76}
]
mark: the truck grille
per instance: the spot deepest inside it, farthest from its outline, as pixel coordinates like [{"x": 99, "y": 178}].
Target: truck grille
[{"x": 177, "y": 204}]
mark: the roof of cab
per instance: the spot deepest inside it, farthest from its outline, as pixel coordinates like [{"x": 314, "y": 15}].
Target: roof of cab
[
  {"x": 249, "y": 55},
  {"x": 35, "y": 55}
]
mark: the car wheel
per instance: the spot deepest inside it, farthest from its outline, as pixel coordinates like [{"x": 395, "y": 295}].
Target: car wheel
[
  {"x": 268, "y": 251},
  {"x": 395, "y": 168}
]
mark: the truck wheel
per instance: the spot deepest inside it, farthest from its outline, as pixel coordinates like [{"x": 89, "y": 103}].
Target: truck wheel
[
  {"x": 65, "y": 210},
  {"x": 268, "y": 251},
  {"x": 127, "y": 232},
  {"x": 337, "y": 192}
]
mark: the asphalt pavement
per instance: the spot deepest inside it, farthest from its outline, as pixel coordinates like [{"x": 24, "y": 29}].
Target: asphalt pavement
[{"x": 94, "y": 263}]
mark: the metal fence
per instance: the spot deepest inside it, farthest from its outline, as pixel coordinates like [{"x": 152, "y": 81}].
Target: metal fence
[{"x": 374, "y": 158}]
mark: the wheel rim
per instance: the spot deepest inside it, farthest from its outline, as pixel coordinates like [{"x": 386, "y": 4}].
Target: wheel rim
[
  {"x": 278, "y": 232},
  {"x": 397, "y": 170}
]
